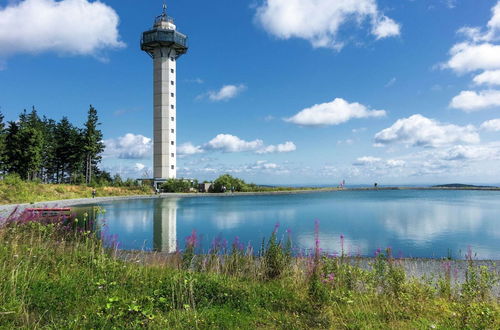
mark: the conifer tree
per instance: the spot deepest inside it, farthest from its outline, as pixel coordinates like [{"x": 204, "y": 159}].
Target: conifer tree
[
  {"x": 13, "y": 153},
  {"x": 92, "y": 144}
]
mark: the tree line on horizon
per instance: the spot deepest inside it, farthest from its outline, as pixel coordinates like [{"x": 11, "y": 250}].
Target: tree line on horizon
[{"x": 39, "y": 148}]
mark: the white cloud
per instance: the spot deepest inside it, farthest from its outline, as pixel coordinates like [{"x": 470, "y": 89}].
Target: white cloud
[
  {"x": 461, "y": 152},
  {"x": 319, "y": 21},
  {"x": 450, "y": 3},
  {"x": 231, "y": 143},
  {"x": 488, "y": 78},
  {"x": 379, "y": 162},
  {"x": 366, "y": 160},
  {"x": 395, "y": 163},
  {"x": 227, "y": 92},
  {"x": 139, "y": 167},
  {"x": 479, "y": 52},
  {"x": 385, "y": 27},
  {"x": 129, "y": 146},
  {"x": 469, "y": 57},
  {"x": 418, "y": 130},
  {"x": 284, "y": 147},
  {"x": 188, "y": 149},
  {"x": 470, "y": 101},
  {"x": 333, "y": 113},
  {"x": 491, "y": 125},
  {"x": 68, "y": 27}
]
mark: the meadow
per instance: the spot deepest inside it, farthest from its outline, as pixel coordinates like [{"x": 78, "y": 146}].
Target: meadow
[
  {"x": 13, "y": 190},
  {"x": 59, "y": 274}
]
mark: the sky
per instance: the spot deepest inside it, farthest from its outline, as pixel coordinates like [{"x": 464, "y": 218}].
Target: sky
[{"x": 273, "y": 91}]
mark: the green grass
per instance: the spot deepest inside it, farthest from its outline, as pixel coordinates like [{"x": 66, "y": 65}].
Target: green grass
[
  {"x": 15, "y": 191},
  {"x": 58, "y": 278}
]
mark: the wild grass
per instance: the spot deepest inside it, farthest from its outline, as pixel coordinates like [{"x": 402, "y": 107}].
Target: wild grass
[
  {"x": 13, "y": 190},
  {"x": 58, "y": 274}
]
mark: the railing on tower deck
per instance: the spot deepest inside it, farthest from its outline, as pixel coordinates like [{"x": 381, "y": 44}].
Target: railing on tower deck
[
  {"x": 167, "y": 36},
  {"x": 164, "y": 18}
]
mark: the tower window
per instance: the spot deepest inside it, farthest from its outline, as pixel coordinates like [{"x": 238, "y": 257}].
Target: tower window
[
  {"x": 172, "y": 70},
  {"x": 172, "y": 142},
  {"x": 172, "y": 94},
  {"x": 172, "y": 167},
  {"x": 172, "y": 59},
  {"x": 172, "y": 154},
  {"x": 172, "y": 130},
  {"x": 172, "y": 106},
  {"x": 171, "y": 82},
  {"x": 172, "y": 118}
]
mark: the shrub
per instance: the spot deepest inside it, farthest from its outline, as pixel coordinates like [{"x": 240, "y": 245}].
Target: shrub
[
  {"x": 176, "y": 186},
  {"x": 228, "y": 181}
]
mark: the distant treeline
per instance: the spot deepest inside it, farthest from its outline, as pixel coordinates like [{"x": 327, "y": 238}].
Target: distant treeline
[{"x": 52, "y": 152}]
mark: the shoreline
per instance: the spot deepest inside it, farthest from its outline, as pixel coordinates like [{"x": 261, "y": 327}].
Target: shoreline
[{"x": 6, "y": 209}]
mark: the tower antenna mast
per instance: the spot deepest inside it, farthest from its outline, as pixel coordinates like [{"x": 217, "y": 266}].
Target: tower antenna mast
[{"x": 164, "y": 13}]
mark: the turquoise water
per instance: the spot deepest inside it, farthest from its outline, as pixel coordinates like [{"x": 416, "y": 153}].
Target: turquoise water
[{"x": 414, "y": 223}]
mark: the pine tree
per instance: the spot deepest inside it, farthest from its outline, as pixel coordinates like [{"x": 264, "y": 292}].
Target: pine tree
[
  {"x": 49, "y": 155},
  {"x": 13, "y": 154},
  {"x": 31, "y": 140},
  {"x": 3, "y": 134},
  {"x": 92, "y": 144},
  {"x": 68, "y": 160}
]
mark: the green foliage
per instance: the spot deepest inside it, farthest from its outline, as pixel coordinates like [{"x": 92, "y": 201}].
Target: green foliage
[
  {"x": 276, "y": 257},
  {"x": 92, "y": 144},
  {"x": 228, "y": 181},
  {"x": 3, "y": 135},
  {"x": 40, "y": 149},
  {"x": 177, "y": 186}
]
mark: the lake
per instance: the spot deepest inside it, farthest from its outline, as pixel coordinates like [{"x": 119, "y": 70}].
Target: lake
[{"x": 414, "y": 223}]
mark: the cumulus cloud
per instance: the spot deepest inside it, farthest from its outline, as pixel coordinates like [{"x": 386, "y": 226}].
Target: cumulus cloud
[
  {"x": 480, "y": 52},
  {"x": 462, "y": 152},
  {"x": 488, "y": 78},
  {"x": 469, "y": 57},
  {"x": 367, "y": 160},
  {"x": 231, "y": 143},
  {"x": 226, "y": 92},
  {"x": 188, "y": 149},
  {"x": 333, "y": 113},
  {"x": 319, "y": 21},
  {"x": 385, "y": 27},
  {"x": 418, "y": 130},
  {"x": 228, "y": 143},
  {"x": 470, "y": 101},
  {"x": 68, "y": 27},
  {"x": 129, "y": 146},
  {"x": 378, "y": 162},
  {"x": 284, "y": 147},
  {"x": 491, "y": 125}
]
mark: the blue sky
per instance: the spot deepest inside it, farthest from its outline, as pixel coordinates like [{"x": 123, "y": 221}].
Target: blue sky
[{"x": 274, "y": 91}]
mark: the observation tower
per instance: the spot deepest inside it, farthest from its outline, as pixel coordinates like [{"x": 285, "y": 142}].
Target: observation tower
[{"x": 165, "y": 45}]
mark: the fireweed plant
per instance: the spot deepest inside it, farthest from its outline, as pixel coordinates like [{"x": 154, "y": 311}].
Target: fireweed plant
[{"x": 58, "y": 273}]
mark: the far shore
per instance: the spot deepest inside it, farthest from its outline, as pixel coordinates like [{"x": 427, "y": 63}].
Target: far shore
[{"x": 8, "y": 208}]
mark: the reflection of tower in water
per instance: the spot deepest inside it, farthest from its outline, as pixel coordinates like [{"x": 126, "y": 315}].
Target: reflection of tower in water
[{"x": 165, "y": 225}]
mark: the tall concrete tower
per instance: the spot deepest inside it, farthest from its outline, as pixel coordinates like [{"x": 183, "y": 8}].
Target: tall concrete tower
[{"x": 165, "y": 45}]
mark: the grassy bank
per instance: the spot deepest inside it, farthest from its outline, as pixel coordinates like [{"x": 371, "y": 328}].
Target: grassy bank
[
  {"x": 53, "y": 276},
  {"x": 16, "y": 191}
]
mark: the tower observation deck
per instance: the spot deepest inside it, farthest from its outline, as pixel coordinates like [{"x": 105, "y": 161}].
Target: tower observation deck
[{"x": 165, "y": 45}]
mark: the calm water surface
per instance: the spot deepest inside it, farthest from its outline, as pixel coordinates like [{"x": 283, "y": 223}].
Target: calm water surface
[{"x": 414, "y": 223}]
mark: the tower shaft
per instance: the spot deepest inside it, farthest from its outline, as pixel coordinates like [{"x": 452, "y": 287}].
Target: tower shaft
[
  {"x": 164, "y": 89},
  {"x": 165, "y": 45}
]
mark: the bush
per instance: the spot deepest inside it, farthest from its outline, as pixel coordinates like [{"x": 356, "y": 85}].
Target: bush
[
  {"x": 229, "y": 181},
  {"x": 176, "y": 186}
]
